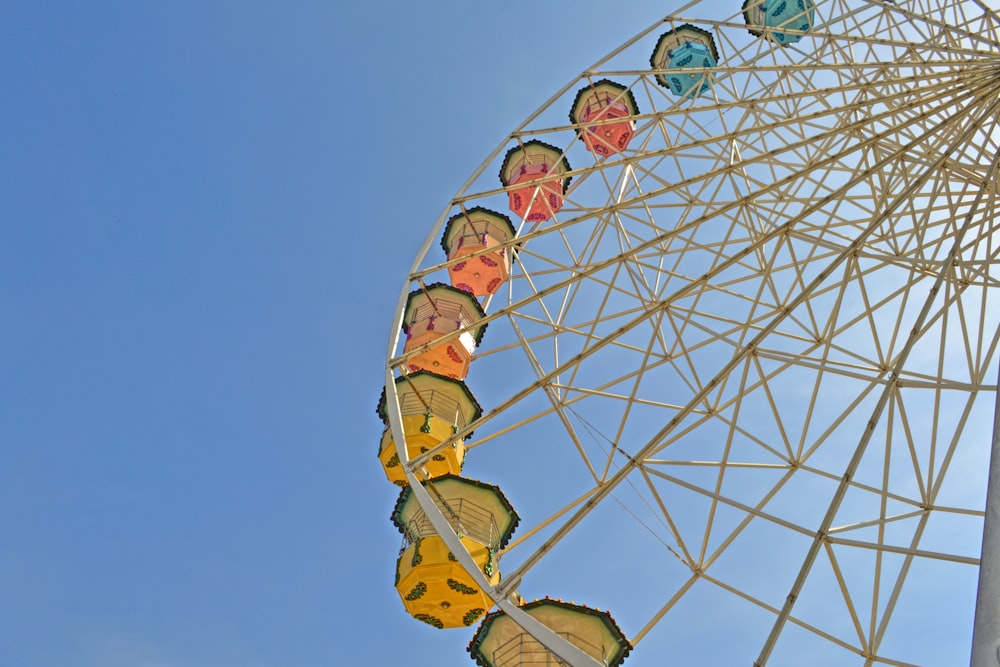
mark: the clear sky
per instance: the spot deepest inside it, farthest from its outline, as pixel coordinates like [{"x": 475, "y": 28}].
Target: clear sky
[{"x": 207, "y": 210}]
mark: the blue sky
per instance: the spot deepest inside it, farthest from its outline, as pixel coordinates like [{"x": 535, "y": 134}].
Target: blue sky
[{"x": 206, "y": 214}]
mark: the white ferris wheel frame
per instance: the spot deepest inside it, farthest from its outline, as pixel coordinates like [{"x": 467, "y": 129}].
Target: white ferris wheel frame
[{"x": 504, "y": 595}]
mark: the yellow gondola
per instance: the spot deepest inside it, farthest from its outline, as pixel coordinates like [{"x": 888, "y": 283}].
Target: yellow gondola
[
  {"x": 433, "y": 408},
  {"x": 500, "y": 642},
  {"x": 433, "y": 586}
]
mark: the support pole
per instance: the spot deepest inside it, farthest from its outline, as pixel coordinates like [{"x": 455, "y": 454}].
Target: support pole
[{"x": 986, "y": 628}]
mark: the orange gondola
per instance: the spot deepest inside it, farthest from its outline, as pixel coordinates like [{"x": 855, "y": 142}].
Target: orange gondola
[
  {"x": 482, "y": 237},
  {"x": 604, "y": 110},
  {"x": 434, "y": 312},
  {"x": 534, "y": 175}
]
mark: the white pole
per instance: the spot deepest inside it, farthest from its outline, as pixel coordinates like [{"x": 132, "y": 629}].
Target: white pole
[{"x": 986, "y": 628}]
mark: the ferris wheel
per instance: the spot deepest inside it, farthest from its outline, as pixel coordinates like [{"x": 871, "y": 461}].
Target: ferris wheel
[{"x": 710, "y": 341}]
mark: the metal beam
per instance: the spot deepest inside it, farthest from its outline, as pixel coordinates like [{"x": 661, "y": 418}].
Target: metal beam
[{"x": 986, "y": 628}]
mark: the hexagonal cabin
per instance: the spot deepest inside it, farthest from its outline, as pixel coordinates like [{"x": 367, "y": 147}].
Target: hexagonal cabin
[
  {"x": 604, "y": 110},
  {"x": 433, "y": 586},
  {"x": 481, "y": 236},
  {"x": 773, "y": 19},
  {"x": 534, "y": 174},
  {"x": 434, "y": 312},
  {"x": 500, "y": 642},
  {"x": 685, "y": 48},
  {"x": 434, "y": 408}
]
